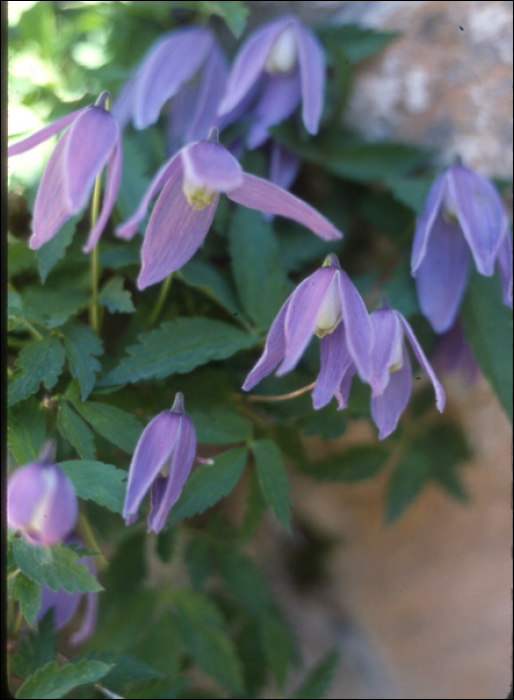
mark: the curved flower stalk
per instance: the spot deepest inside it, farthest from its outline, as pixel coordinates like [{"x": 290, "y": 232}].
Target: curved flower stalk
[
  {"x": 92, "y": 141},
  {"x": 191, "y": 182},
  {"x": 282, "y": 64},
  {"x": 162, "y": 461},
  {"x": 328, "y": 305},
  {"x": 41, "y": 501},
  {"x": 463, "y": 212}
]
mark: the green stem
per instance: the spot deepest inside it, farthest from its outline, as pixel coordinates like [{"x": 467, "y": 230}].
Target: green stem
[
  {"x": 37, "y": 335},
  {"x": 165, "y": 287},
  {"x": 282, "y": 397},
  {"x": 13, "y": 574},
  {"x": 95, "y": 208},
  {"x": 89, "y": 539}
]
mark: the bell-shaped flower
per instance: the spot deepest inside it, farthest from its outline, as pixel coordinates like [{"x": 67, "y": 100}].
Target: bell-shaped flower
[
  {"x": 281, "y": 64},
  {"x": 92, "y": 141},
  {"x": 454, "y": 354},
  {"x": 41, "y": 501},
  {"x": 328, "y": 305},
  {"x": 463, "y": 212},
  {"x": 191, "y": 182},
  {"x": 162, "y": 461}
]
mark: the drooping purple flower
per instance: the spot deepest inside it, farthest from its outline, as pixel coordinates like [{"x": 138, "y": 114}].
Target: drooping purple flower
[
  {"x": 191, "y": 182},
  {"x": 282, "y": 63},
  {"x": 162, "y": 461},
  {"x": 453, "y": 354},
  {"x": 41, "y": 501},
  {"x": 463, "y": 212},
  {"x": 328, "y": 305},
  {"x": 92, "y": 141}
]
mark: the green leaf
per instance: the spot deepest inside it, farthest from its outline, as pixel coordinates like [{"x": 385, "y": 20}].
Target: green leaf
[
  {"x": 208, "y": 484},
  {"x": 26, "y": 428},
  {"x": 220, "y": 427},
  {"x": 41, "y": 361},
  {"x": 54, "y": 306},
  {"x": 200, "y": 274},
  {"x": 82, "y": 347},
  {"x": 20, "y": 258},
  {"x": 199, "y": 561},
  {"x": 37, "y": 648},
  {"x": 28, "y": 593},
  {"x": 95, "y": 481},
  {"x": 117, "y": 426},
  {"x": 166, "y": 545},
  {"x": 123, "y": 669},
  {"x": 317, "y": 683},
  {"x": 179, "y": 346},
  {"x": 278, "y": 645},
  {"x": 134, "y": 179},
  {"x": 50, "y": 253},
  {"x": 115, "y": 298},
  {"x": 54, "y": 682},
  {"x": 357, "y": 41},
  {"x": 411, "y": 191},
  {"x": 256, "y": 507},
  {"x": 123, "y": 254},
  {"x": 488, "y": 329},
  {"x": 357, "y": 463},
  {"x": 73, "y": 429},
  {"x": 327, "y": 423},
  {"x": 407, "y": 480},
  {"x": 56, "y": 567},
  {"x": 243, "y": 578},
  {"x": 273, "y": 480},
  {"x": 400, "y": 290},
  {"x": 260, "y": 279},
  {"x": 234, "y": 12},
  {"x": 127, "y": 568},
  {"x": 203, "y": 631}
]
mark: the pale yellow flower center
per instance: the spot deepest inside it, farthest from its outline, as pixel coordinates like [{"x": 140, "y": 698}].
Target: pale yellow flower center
[
  {"x": 197, "y": 196},
  {"x": 330, "y": 312},
  {"x": 284, "y": 53},
  {"x": 398, "y": 358}
]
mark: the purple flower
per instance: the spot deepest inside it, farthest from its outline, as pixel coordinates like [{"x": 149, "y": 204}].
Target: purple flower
[
  {"x": 192, "y": 181},
  {"x": 284, "y": 166},
  {"x": 92, "y": 141},
  {"x": 41, "y": 501},
  {"x": 163, "y": 459},
  {"x": 282, "y": 63},
  {"x": 463, "y": 212},
  {"x": 328, "y": 305},
  {"x": 453, "y": 354}
]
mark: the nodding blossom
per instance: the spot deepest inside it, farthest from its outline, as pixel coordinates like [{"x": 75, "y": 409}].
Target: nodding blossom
[
  {"x": 91, "y": 142},
  {"x": 463, "y": 213},
  {"x": 454, "y": 354},
  {"x": 191, "y": 182}
]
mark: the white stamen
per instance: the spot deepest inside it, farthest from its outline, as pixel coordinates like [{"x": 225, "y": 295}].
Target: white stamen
[
  {"x": 398, "y": 357},
  {"x": 330, "y": 312},
  {"x": 284, "y": 53}
]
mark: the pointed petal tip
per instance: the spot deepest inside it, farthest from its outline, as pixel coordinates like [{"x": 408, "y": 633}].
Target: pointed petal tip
[{"x": 178, "y": 404}]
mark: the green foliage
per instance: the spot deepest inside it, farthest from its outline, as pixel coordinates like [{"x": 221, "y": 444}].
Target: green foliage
[
  {"x": 278, "y": 644},
  {"x": 56, "y": 567},
  {"x": 400, "y": 290},
  {"x": 318, "y": 682},
  {"x": 356, "y": 41},
  {"x": 98, "y": 482},
  {"x": 82, "y": 348},
  {"x": 356, "y": 463},
  {"x": 117, "y": 426},
  {"x": 198, "y": 557},
  {"x": 407, "y": 480},
  {"x": 26, "y": 429},
  {"x": 243, "y": 578},
  {"x": 256, "y": 507},
  {"x": 40, "y": 362},
  {"x": 124, "y": 670},
  {"x": 28, "y": 593},
  {"x": 234, "y": 12},
  {"x": 54, "y": 307},
  {"x": 50, "y": 253},
  {"x": 127, "y": 567},
  {"x": 273, "y": 480},
  {"x": 115, "y": 298},
  {"x": 200, "y": 274},
  {"x": 221, "y": 426},
  {"x": 54, "y": 682},
  {"x": 73, "y": 428},
  {"x": 38, "y": 648}
]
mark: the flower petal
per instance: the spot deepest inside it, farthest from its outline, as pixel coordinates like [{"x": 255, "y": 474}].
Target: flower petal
[
  {"x": 169, "y": 171},
  {"x": 211, "y": 165},
  {"x": 425, "y": 222},
  {"x": 359, "y": 334},
  {"x": 343, "y": 392},
  {"x": 256, "y": 193},
  {"x": 312, "y": 72},
  {"x": 88, "y": 625},
  {"x": 505, "y": 267},
  {"x": 64, "y": 605},
  {"x": 43, "y": 134},
  {"x": 171, "y": 62},
  {"x": 387, "y": 408},
  {"x": 164, "y": 495},
  {"x": 480, "y": 214},
  {"x": 174, "y": 233},
  {"x": 284, "y": 166},
  {"x": 154, "y": 448},
  {"x": 424, "y": 363},
  {"x": 211, "y": 89},
  {"x": 123, "y": 104},
  {"x": 335, "y": 360},
  {"x": 387, "y": 336},
  {"x": 250, "y": 61},
  {"x": 442, "y": 276},
  {"x": 302, "y": 315},
  {"x": 91, "y": 140},
  {"x": 280, "y": 97}
]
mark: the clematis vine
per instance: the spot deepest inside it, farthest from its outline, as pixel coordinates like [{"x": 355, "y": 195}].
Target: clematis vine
[
  {"x": 92, "y": 141},
  {"x": 328, "y": 305},
  {"x": 463, "y": 212},
  {"x": 279, "y": 65},
  {"x": 191, "y": 182}
]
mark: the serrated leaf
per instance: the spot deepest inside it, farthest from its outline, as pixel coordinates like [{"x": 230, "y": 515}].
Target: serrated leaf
[
  {"x": 273, "y": 480},
  {"x": 73, "y": 429},
  {"x": 488, "y": 329},
  {"x": 208, "y": 484},
  {"x": 50, "y": 253},
  {"x": 20, "y": 258},
  {"x": 179, "y": 347},
  {"x": 115, "y": 298},
  {"x": 411, "y": 191},
  {"x": 26, "y": 428},
  {"x": 220, "y": 427},
  {"x": 256, "y": 507},
  {"x": 41, "y": 361},
  {"x": 243, "y": 578},
  {"x": 54, "y": 682},
  {"x": 123, "y": 669},
  {"x": 278, "y": 645},
  {"x": 249, "y": 649},
  {"x": 82, "y": 348},
  {"x": 357, "y": 463},
  {"x": 358, "y": 42},
  {"x": 199, "y": 561},
  {"x": 317, "y": 683},
  {"x": 202, "y": 628},
  {"x": 38, "y": 648},
  {"x": 53, "y": 305},
  {"x": 234, "y": 12},
  {"x": 56, "y": 567},
  {"x": 407, "y": 481},
  {"x": 117, "y": 426},
  {"x": 96, "y": 481},
  {"x": 28, "y": 593},
  {"x": 255, "y": 258},
  {"x": 200, "y": 274}
]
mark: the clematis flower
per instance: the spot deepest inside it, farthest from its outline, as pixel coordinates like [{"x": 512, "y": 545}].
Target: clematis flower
[
  {"x": 391, "y": 373},
  {"x": 191, "y": 182},
  {"x": 92, "y": 141},
  {"x": 163, "y": 460},
  {"x": 328, "y": 305},
  {"x": 453, "y": 354},
  {"x": 41, "y": 501},
  {"x": 463, "y": 212},
  {"x": 282, "y": 63}
]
